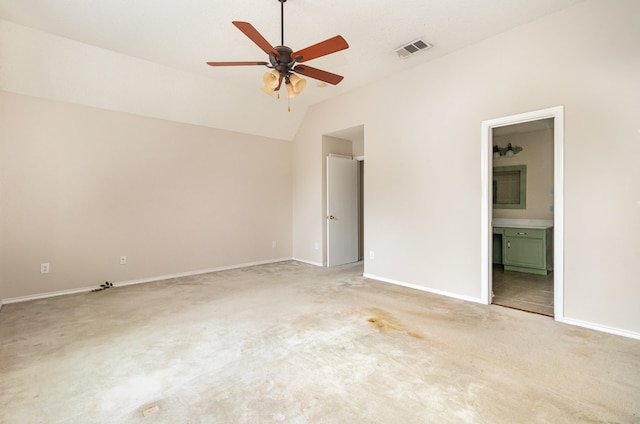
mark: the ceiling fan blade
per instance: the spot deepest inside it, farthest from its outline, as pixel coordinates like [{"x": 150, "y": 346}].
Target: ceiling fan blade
[
  {"x": 323, "y": 48},
  {"x": 236, "y": 63},
  {"x": 318, "y": 74},
  {"x": 256, "y": 37}
]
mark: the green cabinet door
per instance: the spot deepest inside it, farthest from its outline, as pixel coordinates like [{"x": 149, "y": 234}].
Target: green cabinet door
[
  {"x": 526, "y": 250},
  {"x": 520, "y": 251}
]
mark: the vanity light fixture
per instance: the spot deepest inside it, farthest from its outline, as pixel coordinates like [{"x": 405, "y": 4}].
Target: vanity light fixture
[{"x": 508, "y": 151}]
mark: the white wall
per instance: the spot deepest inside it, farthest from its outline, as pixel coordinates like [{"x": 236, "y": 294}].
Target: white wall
[
  {"x": 81, "y": 186},
  {"x": 43, "y": 65},
  {"x": 425, "y": 227}
]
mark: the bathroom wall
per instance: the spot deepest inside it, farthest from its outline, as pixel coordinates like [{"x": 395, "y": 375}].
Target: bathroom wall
[{"x": 537, "y": 155}]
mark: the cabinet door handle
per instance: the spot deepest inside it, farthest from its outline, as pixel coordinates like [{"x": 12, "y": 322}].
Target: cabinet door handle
[{"x": 522, "y": 234}]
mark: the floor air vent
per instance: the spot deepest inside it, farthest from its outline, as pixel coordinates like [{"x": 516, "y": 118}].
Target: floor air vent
[{"x": 412, "y": 48}]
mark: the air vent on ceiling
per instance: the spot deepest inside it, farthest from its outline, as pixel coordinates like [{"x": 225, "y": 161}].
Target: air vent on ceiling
[{"x": 412, "y": 48}]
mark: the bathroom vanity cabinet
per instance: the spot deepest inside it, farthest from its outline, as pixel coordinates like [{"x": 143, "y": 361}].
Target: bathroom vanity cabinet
[{"x": 523, "y": 248}]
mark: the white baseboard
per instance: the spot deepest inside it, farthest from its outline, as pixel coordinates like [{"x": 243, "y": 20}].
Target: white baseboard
[
  {"x": 46, "y": 295},
  {"x": 305, "y": 261},
  {"x": 200, "y": 271},
  {"x": 423, "y": 288},
  {"x": 603, "y": 328},
  {"x": 139, "y": 281}
]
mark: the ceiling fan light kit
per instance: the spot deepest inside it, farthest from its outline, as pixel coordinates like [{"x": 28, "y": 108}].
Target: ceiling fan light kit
[
  {"x": 284, "y": 61},
  {"x": 295, "y": 85},
  {"x": 271, "y": 82}
]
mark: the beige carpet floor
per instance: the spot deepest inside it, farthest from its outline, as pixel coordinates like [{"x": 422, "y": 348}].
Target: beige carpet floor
[{"x": 294, "y": 343}]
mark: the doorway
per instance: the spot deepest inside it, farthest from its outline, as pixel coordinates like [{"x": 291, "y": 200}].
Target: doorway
[
  {"x": 345, "y": 148},
  {"x": 532, "y": 231},
  {"x": 342, "y": 210},
  {"x": 522, "y": 216}
]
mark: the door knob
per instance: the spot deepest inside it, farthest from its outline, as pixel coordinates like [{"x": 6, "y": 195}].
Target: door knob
[{"x": 331, "y": 217}]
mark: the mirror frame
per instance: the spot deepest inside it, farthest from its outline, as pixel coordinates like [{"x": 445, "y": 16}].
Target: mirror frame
[{"x": 522, "y": 169}]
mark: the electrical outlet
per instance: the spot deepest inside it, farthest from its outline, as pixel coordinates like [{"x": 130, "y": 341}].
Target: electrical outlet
[
  {"x": 44, "y": 268},
  {"x": 274, "y": 244},
  {"x": 123, "y": 260},
  {"x": 371, "y": 254},
  {"x": 316, "y": 246}
]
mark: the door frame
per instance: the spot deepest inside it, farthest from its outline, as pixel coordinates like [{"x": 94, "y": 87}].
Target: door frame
[{"x": 486, "y": 169}]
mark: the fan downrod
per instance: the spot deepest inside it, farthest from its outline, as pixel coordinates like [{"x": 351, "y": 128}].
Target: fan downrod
[{"x": 282, "y": 2}]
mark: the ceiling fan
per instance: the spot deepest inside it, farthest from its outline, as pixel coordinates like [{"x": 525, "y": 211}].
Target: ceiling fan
[{"x": 285, "y": 62}]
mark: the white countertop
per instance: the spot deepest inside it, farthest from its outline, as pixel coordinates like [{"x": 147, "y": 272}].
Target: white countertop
[{"x": 522, "y": 223}]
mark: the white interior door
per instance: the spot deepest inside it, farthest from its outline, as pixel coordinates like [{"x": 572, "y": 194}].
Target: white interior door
[{"x": 342, "y": 210}]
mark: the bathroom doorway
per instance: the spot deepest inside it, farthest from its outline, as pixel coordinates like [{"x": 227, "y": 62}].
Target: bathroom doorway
[
  {"x": 522, "y": 216},
  {"x": 523, "y": 240}
]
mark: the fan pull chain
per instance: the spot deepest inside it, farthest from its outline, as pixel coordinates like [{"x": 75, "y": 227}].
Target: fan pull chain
[{"x": 288, "y": 104}]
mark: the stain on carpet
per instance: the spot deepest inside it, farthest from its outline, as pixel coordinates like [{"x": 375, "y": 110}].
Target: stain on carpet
[{"x": 385, "y": 322}]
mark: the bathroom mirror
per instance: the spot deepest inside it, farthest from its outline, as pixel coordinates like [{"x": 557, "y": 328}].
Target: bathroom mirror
[{"x": 510, "y": 187}]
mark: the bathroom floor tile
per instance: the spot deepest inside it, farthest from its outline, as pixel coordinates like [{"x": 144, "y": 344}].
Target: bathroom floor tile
[{"x": 520, "y": 290}]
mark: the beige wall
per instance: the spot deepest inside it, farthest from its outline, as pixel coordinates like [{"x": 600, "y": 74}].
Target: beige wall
[
  {"x": 81, "y": 186},
  {"x": 425, "y": 229},
  {"x": 537, "y": 155}
]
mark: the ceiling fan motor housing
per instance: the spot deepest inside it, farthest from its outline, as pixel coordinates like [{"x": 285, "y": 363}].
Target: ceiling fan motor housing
[{"x": 283, "y": 63}]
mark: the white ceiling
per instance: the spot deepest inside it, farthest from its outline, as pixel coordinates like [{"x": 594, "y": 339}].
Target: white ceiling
[{"x": 185, "y": 34}]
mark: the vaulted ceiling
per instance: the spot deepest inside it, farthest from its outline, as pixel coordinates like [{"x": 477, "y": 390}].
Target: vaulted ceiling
[{"x": 184, "y": 34}]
